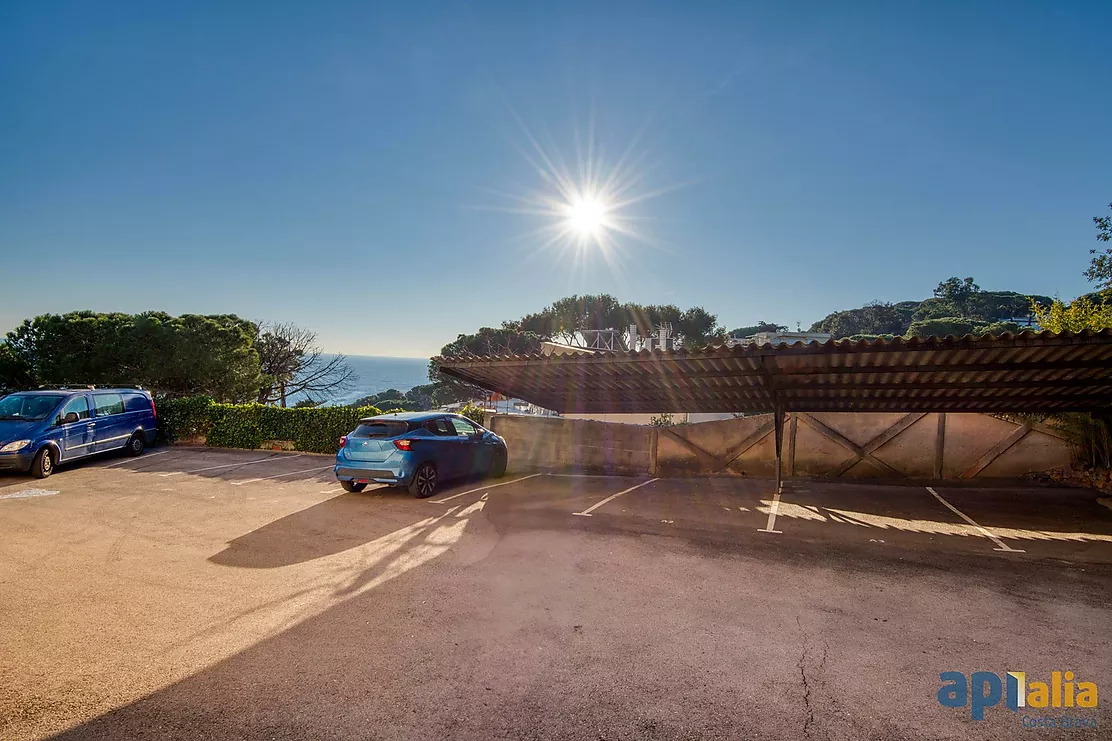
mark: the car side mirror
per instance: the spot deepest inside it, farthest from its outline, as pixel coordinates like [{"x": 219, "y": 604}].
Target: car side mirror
[{"x": 70, "y": 418}]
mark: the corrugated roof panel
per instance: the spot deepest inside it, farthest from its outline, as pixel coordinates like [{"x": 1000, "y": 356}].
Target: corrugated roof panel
[{"x": 1026, "y": 372}]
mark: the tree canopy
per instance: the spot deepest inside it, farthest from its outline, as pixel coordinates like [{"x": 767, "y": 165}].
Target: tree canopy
[
  {"x": 871, "y": 319},
  {"x": 565, "y": 320},
  {"x": 761, "y": 326},
  {"x": 183, "y": 355},
  {"x": 1100, "y": 267},
  {"x": 957, "y": 303}
]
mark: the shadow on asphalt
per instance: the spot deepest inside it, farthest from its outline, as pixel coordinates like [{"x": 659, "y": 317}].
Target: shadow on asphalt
[
  {"x": 278, "y": 687},
  {"x": 15, "y": 478},
  {"x": 333, "y": 526},
  {"x": 576, "y": 642}
]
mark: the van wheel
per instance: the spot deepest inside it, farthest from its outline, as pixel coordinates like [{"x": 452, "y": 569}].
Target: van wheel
[
  {"x": 136, "y": 444},
  {"x": 352, "y": 486},
  {"x": 43, "y": 464},
  {"x": 424, "y": 481}
]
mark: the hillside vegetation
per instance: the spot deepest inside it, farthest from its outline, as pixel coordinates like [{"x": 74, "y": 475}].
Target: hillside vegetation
[{"x": 959, "y": 307}]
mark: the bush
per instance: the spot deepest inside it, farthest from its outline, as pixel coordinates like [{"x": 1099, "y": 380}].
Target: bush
[
  {"x": 473, "y": 412},
  {"x": 183, "y": 417},
  {"x": 312, "y": 430}
]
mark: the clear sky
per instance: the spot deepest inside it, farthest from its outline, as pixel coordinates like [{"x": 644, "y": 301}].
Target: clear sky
[{"x": 359, "y": 168}]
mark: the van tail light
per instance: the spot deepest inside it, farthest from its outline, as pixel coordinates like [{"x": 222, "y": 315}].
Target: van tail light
[
  {"x": 343, "y": 440},
  {"x": 403, "y": 444},
  {"x": 153, "y": 410}
]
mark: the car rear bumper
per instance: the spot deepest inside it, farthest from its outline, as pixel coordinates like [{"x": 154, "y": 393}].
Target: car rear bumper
[{"x": 378, "y": 473}]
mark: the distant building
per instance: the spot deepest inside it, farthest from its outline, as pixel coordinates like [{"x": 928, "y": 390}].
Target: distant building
[{"x": 779, "y": 338}]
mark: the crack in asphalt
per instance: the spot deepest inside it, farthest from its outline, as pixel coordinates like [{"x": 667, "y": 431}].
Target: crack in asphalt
[{"x": 809, "y": 720}]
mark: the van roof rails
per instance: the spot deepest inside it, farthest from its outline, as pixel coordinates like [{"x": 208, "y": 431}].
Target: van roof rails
[{"x": 89, "y": 386}]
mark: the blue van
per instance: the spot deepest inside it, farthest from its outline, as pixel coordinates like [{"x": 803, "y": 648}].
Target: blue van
[{"x": 40, "y": 429}]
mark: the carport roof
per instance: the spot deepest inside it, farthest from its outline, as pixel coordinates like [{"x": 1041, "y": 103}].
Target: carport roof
[{"x": 1028, "y": 372}]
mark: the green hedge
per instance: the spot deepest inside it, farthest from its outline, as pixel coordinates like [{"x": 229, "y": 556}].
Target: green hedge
[
  {"x": 181, "y": 418},
  {"x": 315, "y": 430}
]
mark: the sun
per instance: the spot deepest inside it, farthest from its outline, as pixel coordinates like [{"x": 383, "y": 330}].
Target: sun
[
  {"x": 587, "y": 214},
  {"x": 588, "y": 211}
]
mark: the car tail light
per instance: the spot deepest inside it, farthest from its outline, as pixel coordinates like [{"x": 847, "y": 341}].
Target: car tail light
[
  {"x": 403, "y": 444},
  {"x": 343, "y": 440},
  {"x": 153, "y": 410}
]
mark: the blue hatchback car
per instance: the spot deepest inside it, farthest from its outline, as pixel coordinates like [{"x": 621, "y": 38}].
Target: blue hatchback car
[
  {"x": 417, "y": 450},
  {"x": 40, "y": 429}
]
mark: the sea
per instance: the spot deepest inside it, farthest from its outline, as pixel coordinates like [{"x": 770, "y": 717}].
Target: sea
[{"x": 376, "y": 373}]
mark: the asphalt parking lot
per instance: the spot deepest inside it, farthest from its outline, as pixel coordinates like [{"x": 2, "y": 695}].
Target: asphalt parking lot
[{"x": 203, "y": 593}]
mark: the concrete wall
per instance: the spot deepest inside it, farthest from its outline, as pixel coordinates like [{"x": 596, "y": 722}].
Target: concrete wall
[
  {"x": 554, "y": 443},
  {"x": 842, "y": 445}
]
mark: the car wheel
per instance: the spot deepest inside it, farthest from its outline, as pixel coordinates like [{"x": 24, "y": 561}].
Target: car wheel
[
  {"x": 352, "y": 486},
  {"x": 424, "y": 481},
  {"x": 136, "y": 444},
  {"x": 498, "y": 465},
  {"x": 43, "y": 464}
]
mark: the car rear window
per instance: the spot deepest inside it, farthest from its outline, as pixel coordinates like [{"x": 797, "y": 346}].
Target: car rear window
[{"x": 380, "y": 429}]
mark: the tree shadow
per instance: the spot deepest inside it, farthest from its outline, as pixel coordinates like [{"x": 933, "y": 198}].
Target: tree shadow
[
  {"x": 332, "y": 526},
  {"x": 320, "y": 627}
]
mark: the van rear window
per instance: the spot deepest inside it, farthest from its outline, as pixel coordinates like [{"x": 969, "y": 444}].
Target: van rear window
[
  {"x": 380, "y": 429},
  {"x": 136, "y": 403},
  {"x": 108, "y": 404}
]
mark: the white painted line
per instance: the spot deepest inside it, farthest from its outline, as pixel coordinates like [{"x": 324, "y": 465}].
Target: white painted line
[
  {"x": 233, "y": 465},
  {"x": 585, "y": 476},
  {"x": 136, "y": 459},
  {"x": 769, "y": 528},
  {"x": 280, "y": 475},
  {"x": 1000, "y": 545},
  {"x": 587, "y": 512},
  {"x": 484, "y": 488},
  {"x": 27, "y": 493}
]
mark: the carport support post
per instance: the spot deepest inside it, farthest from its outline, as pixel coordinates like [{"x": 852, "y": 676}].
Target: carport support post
[{"x": 779, "y": 432}]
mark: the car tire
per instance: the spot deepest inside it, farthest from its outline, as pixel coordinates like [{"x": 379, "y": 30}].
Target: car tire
[
  {"x": 424, "y": 481},
  {"x": 352, "y": 486},
  {"x": 136, "y": 445},
  {"x": 43, "y": 464},
  {"x": 498, "y": 465}
]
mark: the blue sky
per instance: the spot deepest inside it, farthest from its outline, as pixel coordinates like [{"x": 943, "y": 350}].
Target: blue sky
[{"x": 352, "y": 167}]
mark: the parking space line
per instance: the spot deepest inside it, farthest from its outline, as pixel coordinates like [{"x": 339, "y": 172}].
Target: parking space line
[
  {"x": 587, "y": 512},
  {"x": 772, "y": 511},
  {"x": 27, "y": 493},
  {"x": 1000, "y": 545},
  {"x": 279, "y": 475},
  {"x": 484, "y": 488},
  {"x": 137, "y": 459},
  {"x": 233, "y": 465}
]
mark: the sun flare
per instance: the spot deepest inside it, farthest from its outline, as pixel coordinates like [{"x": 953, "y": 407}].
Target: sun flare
[{"x": 587, "y": 214}]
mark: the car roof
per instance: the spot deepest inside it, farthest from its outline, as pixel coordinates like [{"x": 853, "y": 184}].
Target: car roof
[{"x": 408, "y": 416}]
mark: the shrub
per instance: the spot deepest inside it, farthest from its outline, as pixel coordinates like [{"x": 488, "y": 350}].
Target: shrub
[
  {"x": 183, "y": 417},
  {"x": 473, "y": 412},
  {"x": 312, "y": 430},
  {"x": 1083, "y": 313}
]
